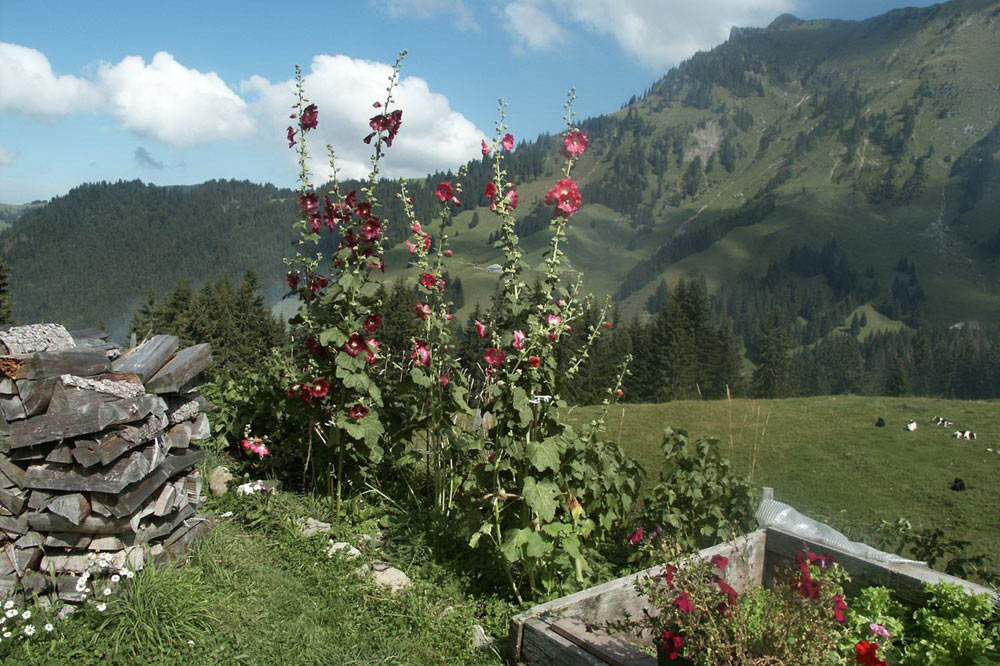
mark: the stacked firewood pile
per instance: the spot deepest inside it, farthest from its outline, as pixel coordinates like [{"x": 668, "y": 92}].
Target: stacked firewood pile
[{"x": 96, "y": 453}]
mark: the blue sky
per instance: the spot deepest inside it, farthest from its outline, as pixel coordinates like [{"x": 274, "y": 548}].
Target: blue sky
[{"x": 182, "y": 92}]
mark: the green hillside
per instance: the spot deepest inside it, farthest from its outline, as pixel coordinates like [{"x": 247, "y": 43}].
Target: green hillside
[{"x": 880, "y": 135}]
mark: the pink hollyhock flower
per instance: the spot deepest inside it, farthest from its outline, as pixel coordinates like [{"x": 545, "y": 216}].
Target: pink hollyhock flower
[
  {"x": 636, "y": 536},
  {"x": 423, "y": 309},
  {"x": 491, "y": 190},
  {"x": 371, "y": 228},
  {"x": 511, "y": 199},
  {"x": 494, "y": 357},
  {"x": 879, "y": 630},
  {"x": 671, "y": 644},
  {"x": 310, "y": 117},
  {"x": 422, "y": 355},
  {"x": 411, "y": 247},
  {"x": 355, "y": 344},
  {"x": 309, "y": 202},
  {"x": 358, "y": 412},
  {"x": 427, "y": 242},
  {"x": 415, "y": 227},
  {"x": 533, "y": 361},
  {"x": 428, "y": 280},
  {"x": 372, "y": 322},
  {"x": 372, "y": 351},
  {"x": 518, "y": 340},
  {"x": 575, "y": 143},
  {"x": 486, "y": 148},
  {"x": 683, "y": 602},
  {"x": 553, "y": 320},
  {"x": 293, "y": 281},
  {"x": 480, "y": 329},
  {"x": 448, "y": 253},
  {"x": 444, "y": 191},
  {"x": 566, "y": 197},
  {"x": 560, "y": 304},
  {"x": 839, "y": 607},
  {"x": 720, "y": 562},
  {"x": 445, "y": 381},
  {"x": 508, "y": 141},
  {"x": 291, "y": 136}
]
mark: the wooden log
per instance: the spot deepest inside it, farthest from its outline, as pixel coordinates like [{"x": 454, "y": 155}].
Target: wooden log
[
  {"x": 44, "y": 365},
  {"x": 7, "y": 385},
  {"x": 609, "y": 649},
  {"x": 164, "y": 503},
  {"x": 74, "y": 507},
  {"x": 147, "y": 359},
  {"x": 11, "y": 407},
  {"x": 50, "y": 427},
  {"x": 131, "y": 499},
  {"x": 163, "y": 526},
  {"x": 89, "y": 334},
  {"x": 35, "y": 338},
  {"x": 106, "y": 543},
  {"x": 116, "y": 442},
  {"x": 84, "y": 453},
  {"x": 101, "y": 506},
  {"x": 67, "y": 540},
  {"x": 50, "y": 522},
  {"x": 181, "y": 369},
  {"x": 12, "y": 471},
  {"x": 201, "y": 428},
  {"x": 13, "y": 499},
  {"x": 543, "y": 647},
  {"x": 39, "y": 499},
  {"x": 102, "y": 479},
  {"x": 179, "y": 436},
  {"x": 35, "y": 394},
  {"x": 59, "y": 454},
  {"x": 14, "y": 524}
]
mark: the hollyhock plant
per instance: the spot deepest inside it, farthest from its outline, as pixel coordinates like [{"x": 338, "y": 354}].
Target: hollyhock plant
[
  {"x": 518, "y": 342},
  {"x": 565, "y": 196},
  {"x": 508, "y": 141},
  {"x": 421, "y": 354},
  {"x": 494, "y": 357},
  {"x": 574, "y": 143}
]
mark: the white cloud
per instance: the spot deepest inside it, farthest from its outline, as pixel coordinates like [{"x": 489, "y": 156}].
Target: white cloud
[
  {"x": 432, "y": 135},
  {"x": 425, "y": 9},
  {"x": 656, "y": 33},
  {"x": 30, "y": 86},
  {"x": 6, "y": 156},
  {"x": 529, "y": 21},
  {"x": 167, "y": 101}
]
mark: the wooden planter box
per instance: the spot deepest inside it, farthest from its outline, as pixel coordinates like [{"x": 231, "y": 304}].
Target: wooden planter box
[{"x": 555, "y": 632}]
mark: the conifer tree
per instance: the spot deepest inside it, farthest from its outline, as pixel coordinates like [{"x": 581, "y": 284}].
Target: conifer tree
[
  {"x": 6, "y": 307},
  {"x": 772, "y": 376}
]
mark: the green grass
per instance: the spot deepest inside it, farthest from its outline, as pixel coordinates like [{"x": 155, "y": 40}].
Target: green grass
[
  {"x": 268, "y": 595},
  {"x": 825, "y": 457}
]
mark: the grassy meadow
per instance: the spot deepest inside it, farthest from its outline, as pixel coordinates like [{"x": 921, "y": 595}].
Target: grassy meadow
[{"x": 826, "y": 457}]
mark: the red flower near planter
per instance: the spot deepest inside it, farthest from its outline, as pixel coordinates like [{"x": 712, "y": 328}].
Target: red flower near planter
[
  {"x": 866, "y": 654},
  {"x": 668, "y": 575},
  {"x": 671, "y": 644},
  {"x": 683, "y": 602},
  {"x": 575, "y": 143},
  {"x": 636, "y": 536},
  {"x": 731, "y": 596},
  {"x": 358, "y": 412},
  {"x": 494, "y": 357},
  {"x": 720, "y": 562},
  {"x": 839, "y": 608}
]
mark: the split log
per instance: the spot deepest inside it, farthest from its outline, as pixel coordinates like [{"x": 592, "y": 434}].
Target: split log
[
  {"x": 30, "y": 540},
  {"x": 147, "y": 359},
  {"x": 11, "y": 407},
  {"x": 75, "y": 507},
  {"x": 93, "y": 418},
  {"x": 43, "y": 365},
  {"x": 59, "y": 454},
  {"x": 181, "y": 369},
  {"x": 12, "y": 471},
  {"x": 201, "y": 428},
  {"x": 89, "y": 334},
  {"x": 35, "y": 394},
  {"x": 130, "y": 500},
  {"x": 50, "y": 522},
  {"x": 35, "y": 338},
  {"x": 66, "y": 540},
  {"x": 105, "y": 543},
  {"x": 102, "y": 480},
  {"x": 13, "y": 500}
]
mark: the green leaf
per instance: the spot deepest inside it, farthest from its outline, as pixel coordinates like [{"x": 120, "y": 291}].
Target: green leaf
[
  {"x": 420, "y": 378},
  {"x": 544, "y": 454},
  {"x": 541, "y": 497},
  {"x": 536, "y": 546},
  {"x": 511, "y": 548},
  {"x": 355, "y": 430},
  {"x": 485, "y": 528}
]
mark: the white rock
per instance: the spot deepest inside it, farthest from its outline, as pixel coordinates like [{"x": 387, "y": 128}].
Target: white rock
[
  {"x": 259, "y": 486},
  {"x": 219, "y": 480},
  {"x": 480, "y": 640},
  {"x": 391, "y": 577},
  {"x": 343, "y": 548},
  {"x": 311, "y": 527}
]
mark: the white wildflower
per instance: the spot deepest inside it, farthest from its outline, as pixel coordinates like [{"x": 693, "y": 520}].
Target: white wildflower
[
  {"x": 11, "y": 613},
  {"x": 115, "y": 578},
  {"x": 8, "y": 604},
  {"x": 81, "y": 585},
  {"x": 101, "y": 606},
  {"x": 26, "y": 615},
  {"x": 107, "y": 592},
  {"x": 7, "y": 634},
  {"x": 29, "y": 630},
  {"x": 48, "y": 626},
  {"x": 190, "y": 643}
]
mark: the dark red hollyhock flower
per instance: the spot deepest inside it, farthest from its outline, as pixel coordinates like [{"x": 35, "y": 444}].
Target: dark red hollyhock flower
[
  {"x": 423, "y": 309},
  {"x": 491, "y": 190},
  {"x": 607, "y": 324},
  {"x": 823, "y": 561},
  {"x": 355, "y": 344},
  {"x": 309, "y": 202},
  {"x": 310, "y": 117},
  {"x": 839, "y": 608},
  {"x": 671, "y": 644},
  {"x": 444, "y": 191},
  {"x": 290, "y": 393},
  {"x": 620, "y": 393},
  {"x": 358, "y": 412},
  {"x": 727, "y": 589},
  {"x": 508, "y": 141},
  {"x": 317, "y": 282},
  {"x": 668, "y": 575},
  {"x": 291, "y": 136},
  {"x": 494, "y": 357},
  {"x": 683, "y": 602},
  {"x": 533, "y": 361},
  {"x": 636, "y": 536},
  {"x": 293, "y": 281},
  {"x": 371, "y": 228},
  {"x": 445, "y": 381},
  {"x": 428, "y": 280},
  {"x": 385, "y": 122},
  {"x": 720, "y": 562},
  {"x": 315, "y": 222},
  {"x": 305, "y": 393},
  {"x": 320, "y": 388},
  {"x": 867, "y": 654},
  {"x": 372, "y": 322},
  {"x": 372, "y": 351},
  {"x": 314, "y": 347}
]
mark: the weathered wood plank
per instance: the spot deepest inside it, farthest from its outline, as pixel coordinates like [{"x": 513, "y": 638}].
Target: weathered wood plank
[
  {"x": 181, "y": 369},
  {"x": 74, "y": 507},
  {"x": 44, "y": 365},
  {"x": 89, "y": 334},
  {"x": 50, "y": 522},
  {"x": 147, "y": 359},
  {"x": 13, "y": 500},
  {"x": 904, "y": 579},
  {"x": 103, "y": 480},
  {"x": 130, "y": 500},
  {"x": 50, "y": 427},
  {"x": 541, "y": 646},
  {"x": 73, "y": 393},
  {"x": 35, "y": 394},
  {"x": 609, "y": 649},
  {"x": 12, "y": 471},
  {"x": 11, "y": 407}
]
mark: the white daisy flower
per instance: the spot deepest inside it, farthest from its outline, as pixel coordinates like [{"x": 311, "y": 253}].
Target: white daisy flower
[
  {"x": 101, "y": 606},
  {"x": 11, "y": 613},
  {"x": 115, "y": 578},
  {"x": 48, "y": 626},
  {"x": 26, "y": 615},
  {"x": 29, "y": 630},
  {"x": 7, "y": 634},
  {"x": 8, "y": 604},
  {"x": 107, "y": 591}
]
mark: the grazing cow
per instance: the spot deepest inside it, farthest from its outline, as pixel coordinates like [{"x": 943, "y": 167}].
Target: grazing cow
[
  {"x": 880, "y": 423},
  {"x": 957, "y": 434},
  {"x": 947, "y": 424},
  {"x": 911, "y": 426},
  {"x": 958, "y": 484}
]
